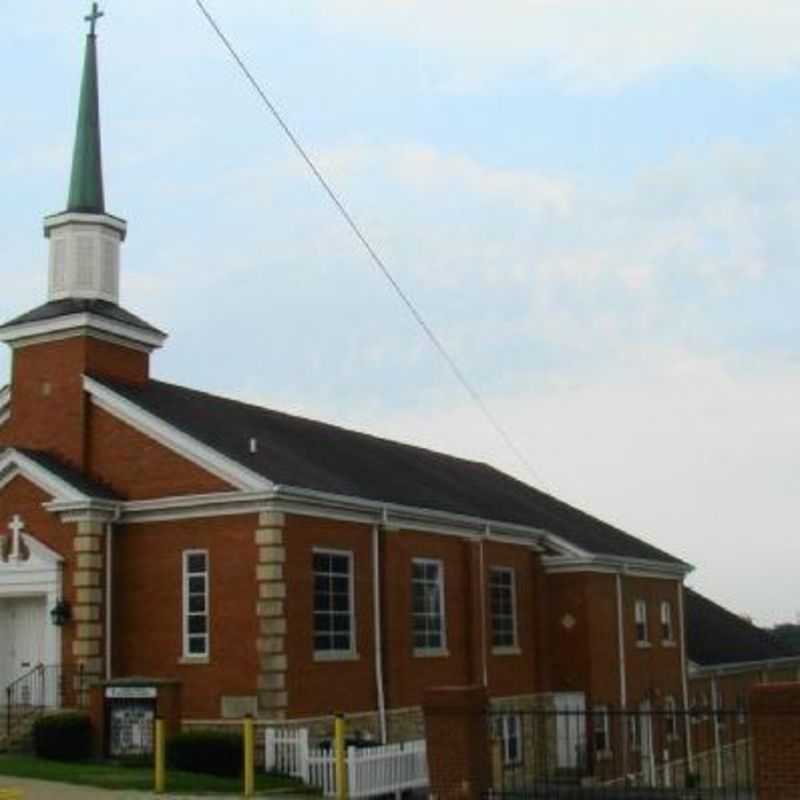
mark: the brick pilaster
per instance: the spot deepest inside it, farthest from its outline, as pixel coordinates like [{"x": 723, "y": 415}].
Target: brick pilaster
[
  {"x": 273, "y": 698},
  {"x": 88, "y": 581},
  {"x": 775, "y": 717}
]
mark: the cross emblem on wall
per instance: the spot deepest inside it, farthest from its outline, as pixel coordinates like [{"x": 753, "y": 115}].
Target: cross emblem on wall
[{"x": 14, "y": 549}]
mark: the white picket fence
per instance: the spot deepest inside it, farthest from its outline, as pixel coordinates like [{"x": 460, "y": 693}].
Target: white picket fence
[{"x": 371, "y": 771}]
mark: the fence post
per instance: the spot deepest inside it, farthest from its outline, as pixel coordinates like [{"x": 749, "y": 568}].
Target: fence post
[
  {"x": 304, "y": 767},
  {"x": 269, "y": 749},
  {"x": 160, "y": 760},
  {"x": 249, "y": 756},
  {"x": 352, "y": 772},
  {"x": 339, "y": 730}
]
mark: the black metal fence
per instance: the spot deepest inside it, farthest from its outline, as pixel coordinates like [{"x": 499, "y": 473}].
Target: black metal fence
[{"x": 605, "y": 753}]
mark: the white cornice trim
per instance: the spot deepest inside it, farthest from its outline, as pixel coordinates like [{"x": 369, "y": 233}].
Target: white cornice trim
[
  {"x": 13, "y": 463},
  {"x": 17, "y": 335},
  {"x": 194, "y": 506},
  {"x": 169, "y": 436},
  {"x": 79, "y": 218},
  {"x": 634, "y": 567},
  {"x": 708, "y": 670}
]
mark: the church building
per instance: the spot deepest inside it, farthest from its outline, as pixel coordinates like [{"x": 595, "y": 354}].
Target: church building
[{"x": 273, "y": 564}]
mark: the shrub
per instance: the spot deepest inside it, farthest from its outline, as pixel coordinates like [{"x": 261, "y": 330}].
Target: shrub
[
  {"x": 210, "y": 752},
  {"x": 63, "y": 737}
]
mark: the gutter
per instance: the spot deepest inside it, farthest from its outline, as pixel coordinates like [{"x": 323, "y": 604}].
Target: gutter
[{"x": 710, "y": 670}]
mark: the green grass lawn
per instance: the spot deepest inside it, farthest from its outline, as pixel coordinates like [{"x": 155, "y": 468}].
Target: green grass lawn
[{"x": 114, "y": 776}]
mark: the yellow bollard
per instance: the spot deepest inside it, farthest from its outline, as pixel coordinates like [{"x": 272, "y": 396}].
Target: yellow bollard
[
  {"x": 249, "y": 757},
  {"x": 11, "y": 794},
  {"x": 340, "y": 753},
  {"x": 160, "y": 782}
]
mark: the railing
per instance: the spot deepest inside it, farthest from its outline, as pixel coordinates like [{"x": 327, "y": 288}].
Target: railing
[
  {"x": 606, "y": 752},
  {"x": 43, "y": 687},
  {"x": 371, "y": 771}
]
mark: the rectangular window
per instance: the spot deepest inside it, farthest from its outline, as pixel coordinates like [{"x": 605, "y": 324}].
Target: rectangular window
[
  {"x": 195, "y": 604},
  {"x": 666, "y": 622},
  {"x": 504, "y": 607},
  {"x": 508, "y": 729},
  {"x": 333, "y": 603},
  {"x": 670, "y": 718},
  {"x": 634, "y": 739},
  {"x": 641, "y": 621},
  {"x": 427, "y": 604},
  {"x": 600, "y": 738}
]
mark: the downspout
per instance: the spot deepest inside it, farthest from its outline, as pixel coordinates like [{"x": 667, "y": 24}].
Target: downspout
[
  {"x": 109, "y": 609},
  {"x": 623, "y": 674},
  {"x": 482, "y": 591},
  {"x": 376, "y": 608},
  {"x": 715, "y": 717},
  {"x": 684, "y": 680}
]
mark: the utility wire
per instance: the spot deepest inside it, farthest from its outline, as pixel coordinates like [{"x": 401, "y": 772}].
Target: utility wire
[{"x": 376, "y": 259}]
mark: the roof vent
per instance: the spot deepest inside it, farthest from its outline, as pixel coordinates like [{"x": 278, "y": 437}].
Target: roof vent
[{"x": 253, "y": 445}]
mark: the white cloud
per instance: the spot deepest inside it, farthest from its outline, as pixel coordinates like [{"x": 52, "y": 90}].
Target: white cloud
[{"x": 585, "y": 44}]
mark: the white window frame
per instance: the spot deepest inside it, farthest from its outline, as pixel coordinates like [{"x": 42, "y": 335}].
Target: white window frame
[
  {"x": 513, "y": 646},
  {"x": 442, "y": 648},
  {"x": 600, "y": 713},
  {"x": 640, "y": 620},
  {"x": 350, "y": 652},
  {"x": 508, "y": 730},
  {"x": 186, "y": 575},
  {"x": 666, "y": 623}
]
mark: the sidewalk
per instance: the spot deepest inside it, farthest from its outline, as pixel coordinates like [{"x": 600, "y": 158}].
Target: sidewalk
[{"x": 42, "y": 790}]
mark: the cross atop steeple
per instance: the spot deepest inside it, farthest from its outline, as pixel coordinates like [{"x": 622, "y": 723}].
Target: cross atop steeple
[{"x": 93, "y": 17}]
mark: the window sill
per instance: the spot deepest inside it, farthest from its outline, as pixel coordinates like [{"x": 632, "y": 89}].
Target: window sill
[
  {"x": 669, "y": 643},
  {"x": 644, "y": 645},
  {"x": 193, "y": 661},
  {"x": 335, "y": 655},
  {"x": 506, "y": 651},
  {"x": 439, "y": 652},
  {"x": 604, "y": 755}
]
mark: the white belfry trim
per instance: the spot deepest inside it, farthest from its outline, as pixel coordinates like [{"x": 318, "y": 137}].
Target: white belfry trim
[
  {"x": 176, "y": 440},
  {"x": 18, "y": 335}
]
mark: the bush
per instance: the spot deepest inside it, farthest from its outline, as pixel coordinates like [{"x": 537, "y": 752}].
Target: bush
[
  {"x": 63, "y": 737},
  {"x": 210, "y": 752}
]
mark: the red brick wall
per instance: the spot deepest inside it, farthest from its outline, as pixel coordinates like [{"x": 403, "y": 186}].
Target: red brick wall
[
  {"x": 148, "y": 607},
  {"x": 48, "y": 405},
  {"x": 137, "y": 467},
  {"x": 350, "y": 685},
  {"x": 22, "y": 497},
  {"x": 568, "y": 644},
  {"x": 776, "y": 740}
]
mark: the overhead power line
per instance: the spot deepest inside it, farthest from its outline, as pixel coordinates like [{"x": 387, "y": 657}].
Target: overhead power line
[{"x": 374, "y": 256}]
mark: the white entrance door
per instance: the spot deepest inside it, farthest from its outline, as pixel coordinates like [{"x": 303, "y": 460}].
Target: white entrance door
[
  {"x": 570, "y": 729},
  {"x": 22, "y": 623}
]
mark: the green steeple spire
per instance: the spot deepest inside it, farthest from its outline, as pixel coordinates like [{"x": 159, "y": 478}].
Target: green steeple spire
[{"x": 86, "y": 184}]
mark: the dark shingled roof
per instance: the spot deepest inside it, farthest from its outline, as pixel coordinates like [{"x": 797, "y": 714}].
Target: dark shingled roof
[
  {"x": 716, "y": 636},
  {"x": 69, "y": 475},
  {"x": 63, "y": 308},
  {"x": 302, "y": 453}
]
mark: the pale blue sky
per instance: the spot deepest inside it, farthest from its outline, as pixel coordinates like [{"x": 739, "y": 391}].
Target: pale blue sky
[{"x": 594, "y": 203}]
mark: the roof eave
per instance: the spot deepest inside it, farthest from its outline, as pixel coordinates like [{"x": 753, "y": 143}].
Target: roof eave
[{"x": 706, "y": 670}]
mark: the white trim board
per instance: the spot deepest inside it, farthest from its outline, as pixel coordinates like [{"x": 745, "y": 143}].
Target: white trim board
[
  {"x": 173, "y": 439},
  {"x": 14, "y": 463},
  {"x": 17, "y": 335},
  {"x": 5, "y": 404}
]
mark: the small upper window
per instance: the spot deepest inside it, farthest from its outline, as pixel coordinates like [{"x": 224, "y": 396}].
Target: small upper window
[
  {"x": 641, "y": 621},
  {"x": 667, "y": 633},
  {"x": 427, "y": 604},
  {"x": 504, "y": 607},
  {"x": 333, "y": 602}
]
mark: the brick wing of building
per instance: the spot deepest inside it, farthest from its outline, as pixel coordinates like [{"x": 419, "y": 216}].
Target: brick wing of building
[{"x": 273, "y": 564}]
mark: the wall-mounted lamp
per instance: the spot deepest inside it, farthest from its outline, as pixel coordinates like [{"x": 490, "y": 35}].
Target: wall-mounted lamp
[{"x": 61, "y": 613}]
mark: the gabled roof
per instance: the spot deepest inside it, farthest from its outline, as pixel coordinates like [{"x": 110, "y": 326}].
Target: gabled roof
[
  {"x": 58, "y": 474},
  {"x": 73, "y": 305},
  {"x": 302, "y": 453},
  {"x": 716, "y": 636}
]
